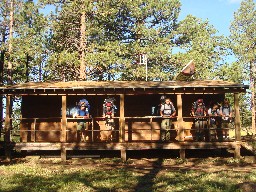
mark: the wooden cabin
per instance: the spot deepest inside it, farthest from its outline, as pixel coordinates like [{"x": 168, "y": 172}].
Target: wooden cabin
[{"x": 46, "y": 122}]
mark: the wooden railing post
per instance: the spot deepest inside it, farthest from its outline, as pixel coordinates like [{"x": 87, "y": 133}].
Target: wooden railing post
[
  {"x": 122, "y": 120},
  {"x": 180, "y": 118},
  {"x": 122, "y": 127},
  {"x": 237, "y": 125},
  {"x": 237, "y": 118},
  {"x": 63, "y": 138}
]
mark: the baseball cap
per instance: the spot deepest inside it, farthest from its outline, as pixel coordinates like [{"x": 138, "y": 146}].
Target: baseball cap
[{"x": 200, "y": 101}]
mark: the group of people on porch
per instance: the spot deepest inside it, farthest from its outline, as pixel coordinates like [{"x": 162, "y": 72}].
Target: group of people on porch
[
  {"x": 209, "y": 122},
  {"x": 81, "y": 111}
]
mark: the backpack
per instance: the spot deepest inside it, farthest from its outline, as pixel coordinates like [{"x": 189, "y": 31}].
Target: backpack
[
  {"x": 108, "y": 106},
  {"x": 198, "y": 111},
  {"x": 226, "y": 107},
  {"x": 84, "y": 102},
  {"x": 227, "y": 119},
  {"x": 172, "y": 108}
]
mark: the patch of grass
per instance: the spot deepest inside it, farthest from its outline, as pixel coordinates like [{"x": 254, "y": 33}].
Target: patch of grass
[{"x": 35, "y": 174}]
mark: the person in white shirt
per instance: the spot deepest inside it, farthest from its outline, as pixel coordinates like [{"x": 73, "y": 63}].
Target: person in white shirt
[{"x": 167, "y": 111}]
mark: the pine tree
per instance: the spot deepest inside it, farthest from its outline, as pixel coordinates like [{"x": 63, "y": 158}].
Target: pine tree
[
  {"x": 243, "y": 44},
  {"x": 31, "y": 29},
  {"x": 113, "y": 34},
  {"x": 198, "y": 40}
]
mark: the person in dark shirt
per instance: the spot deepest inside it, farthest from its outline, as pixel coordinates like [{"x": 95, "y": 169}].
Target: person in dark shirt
[
  {"x": 108, "y": 114},
  {"x": 199, "y": 112}
]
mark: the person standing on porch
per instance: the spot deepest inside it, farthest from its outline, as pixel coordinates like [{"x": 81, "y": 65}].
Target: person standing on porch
[
  {"x": 199, "y": 112},
  {"x": 167, "y": 111},
  {"x": 82, "y": 125},
  {"x": 214, "y": 121},
  {"x": 108, "y": 113},
  {"x": 226, "y": 113}
]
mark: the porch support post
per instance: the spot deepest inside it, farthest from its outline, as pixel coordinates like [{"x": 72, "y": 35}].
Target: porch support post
[
  {"x": 237, "y": 125},
  {"x": 180, "y": 118},
  {"x": 182, "y": 153},
  {"x": 7, "y": 138},
  {"x": 237, "y": 152},
  {"x": 123, "y": 155},
  {"x": 63, "y": 152},
  {"x": 121, "y": 120},
  {"x": 63, "y": 138}
]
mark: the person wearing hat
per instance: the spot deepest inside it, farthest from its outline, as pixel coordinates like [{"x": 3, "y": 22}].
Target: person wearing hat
[
  {"x": 83, "y": 125},
  {"x": 226, "y": 112},
  {"x": 167, "y": 111},
  {"x": 214, "y": 121},
  {"x": 199, "y": 111}
]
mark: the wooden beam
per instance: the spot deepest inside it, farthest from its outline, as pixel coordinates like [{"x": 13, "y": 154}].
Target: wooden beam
[
  {"x": 180, "y": 118},
  {"x": 63, "y": 153},
  {"x": 121, "y": 120},
  {"x": 63, "y": 138},
  {"x": 123, "y": 146},
  {"x": 237, "y": 152},
  {"x": 123, "y": 155},
  {"x": 182, "y": 153},
  {"x": 237, "y": 126},
  {"x": 237, "y": 117},
  {"x": 64, "y": 119}
]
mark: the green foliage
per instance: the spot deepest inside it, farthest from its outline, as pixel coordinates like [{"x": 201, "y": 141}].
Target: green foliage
[
  {"x": 231, "y": 72},
  {"x": 65, "y": 66},
  {"x": 115, "y": 33},
  {"x": 197, "y": 40},
  {"x": 243, "y": 45},
  {"x": 243, "y": 32}
]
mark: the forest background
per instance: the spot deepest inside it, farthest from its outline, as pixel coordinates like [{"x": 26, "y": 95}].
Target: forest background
[{"x": 95, "y": 40}]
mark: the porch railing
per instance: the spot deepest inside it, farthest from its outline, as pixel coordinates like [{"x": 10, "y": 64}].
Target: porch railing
[{"x": 179, "y": 129}]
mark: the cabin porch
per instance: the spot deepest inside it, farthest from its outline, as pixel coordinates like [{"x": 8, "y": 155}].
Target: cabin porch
[{"x": 46, "y": 124}]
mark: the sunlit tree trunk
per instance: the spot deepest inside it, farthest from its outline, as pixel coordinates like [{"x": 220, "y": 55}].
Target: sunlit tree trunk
[
  {"x": 1, "y": 79},
  {"x": 82, "y": 47},
  {"x": 9, "y": 64},
  {"x": 252, "y": 85}
]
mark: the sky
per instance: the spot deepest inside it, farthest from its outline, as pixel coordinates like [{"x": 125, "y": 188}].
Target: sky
[{"x": 218, "y": 12}]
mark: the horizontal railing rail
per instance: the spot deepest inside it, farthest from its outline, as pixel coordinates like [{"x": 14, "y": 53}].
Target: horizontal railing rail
[{"x": 129, "y": 130}]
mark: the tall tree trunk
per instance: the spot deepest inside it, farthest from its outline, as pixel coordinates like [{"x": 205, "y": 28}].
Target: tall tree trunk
[
  {"x": 2, "y": 56},
  {"x": 82, "y": 47},
  {"x": 2, "y": 64},
  {"x": 9, "y": 66},
  {"x": 252, "y": 85},
  {"x": 27, "y": 68},
  {"x": 1, "y": 83},
  {"x": 8, "y": 127}
]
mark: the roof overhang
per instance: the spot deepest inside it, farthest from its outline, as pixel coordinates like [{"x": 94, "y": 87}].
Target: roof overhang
[{"x": 124, "y": 87}]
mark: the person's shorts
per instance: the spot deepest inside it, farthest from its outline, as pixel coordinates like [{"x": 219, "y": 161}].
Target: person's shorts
[{"x": 81, "y": 126}]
